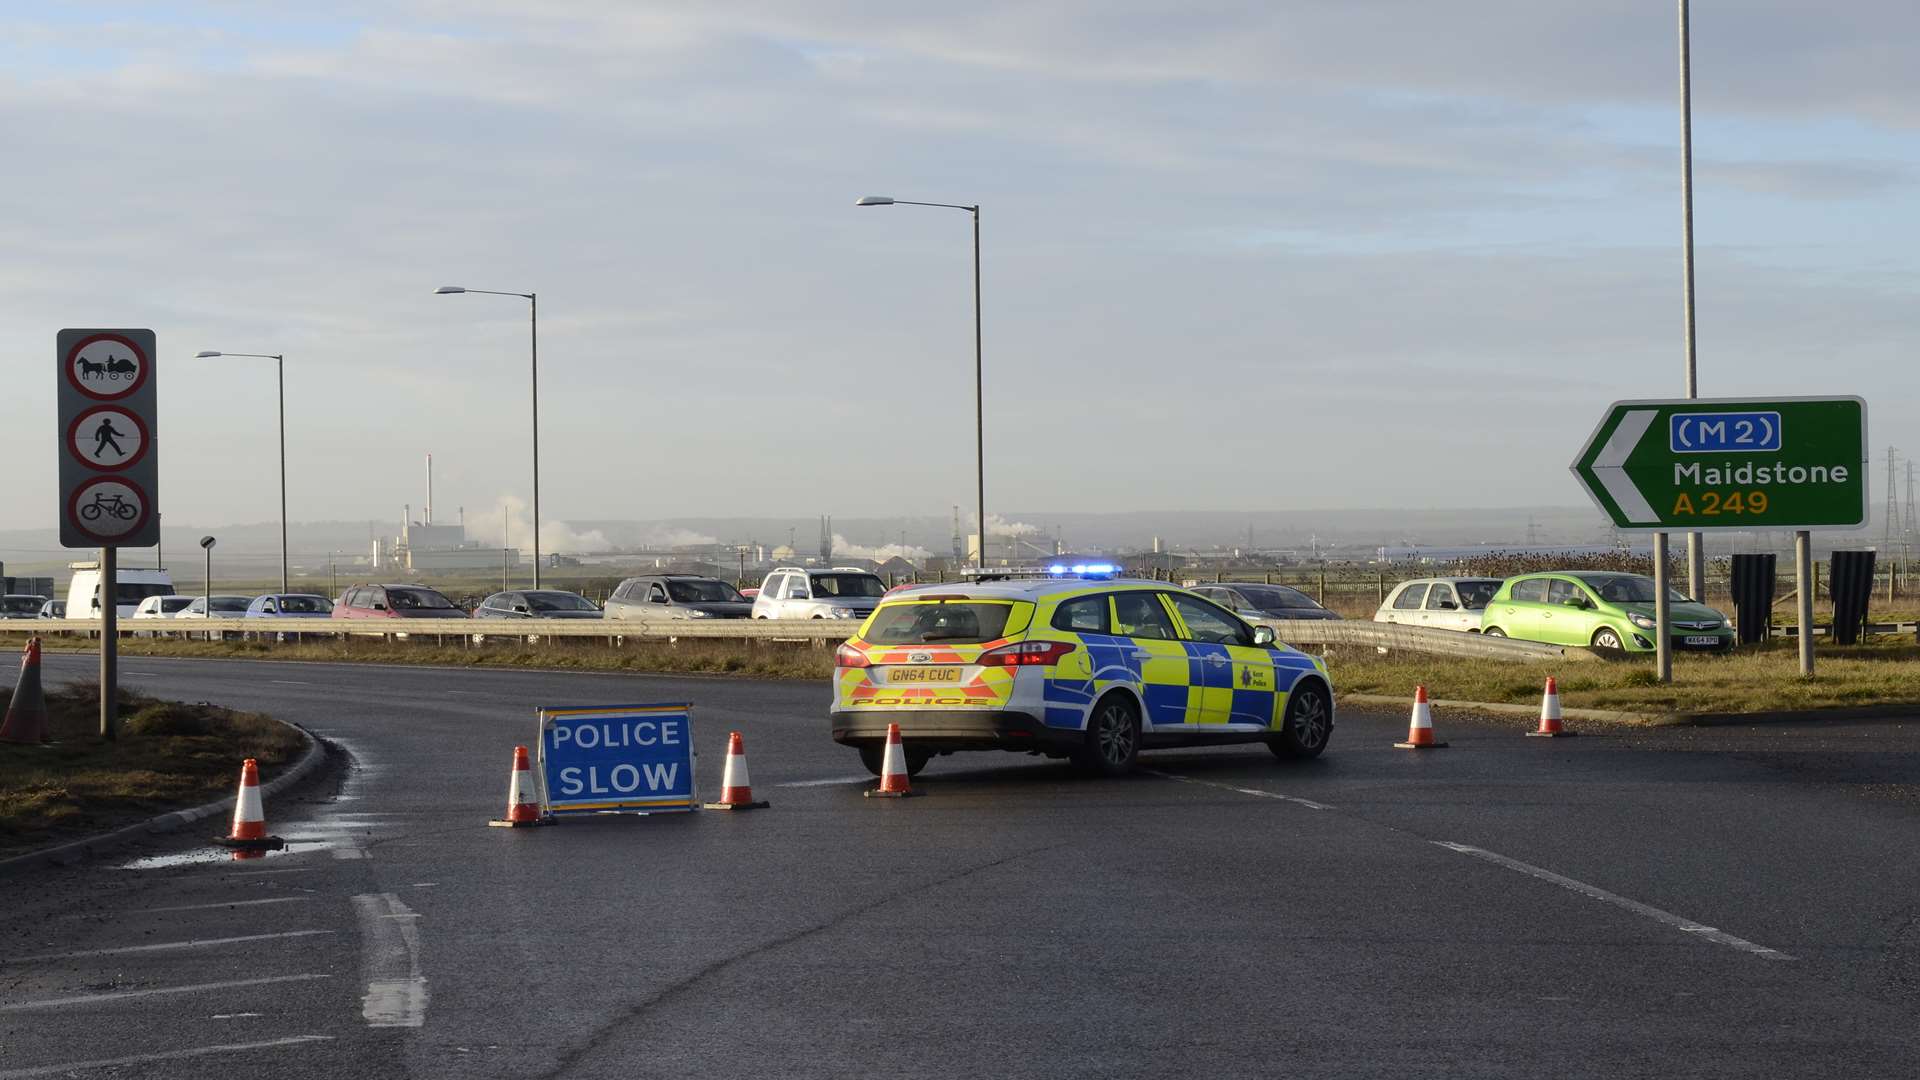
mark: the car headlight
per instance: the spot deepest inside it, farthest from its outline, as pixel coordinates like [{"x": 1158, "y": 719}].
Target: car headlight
[
  {"x": 1642, "y": 621},
  {"x": 696, "y": 613},
  {"x": 841, "y": 612}
]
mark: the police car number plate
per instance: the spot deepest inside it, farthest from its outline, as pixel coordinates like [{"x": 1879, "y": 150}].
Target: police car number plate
[
  {"x": 923, "y": 674},
  {"x": 1703, "y": 640}
]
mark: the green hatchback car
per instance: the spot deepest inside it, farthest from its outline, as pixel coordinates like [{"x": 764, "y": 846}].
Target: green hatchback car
[{"x": 1603, "y": 610}]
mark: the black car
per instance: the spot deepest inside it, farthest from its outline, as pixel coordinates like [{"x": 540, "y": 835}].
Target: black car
[
  {"x": 537, "y": 604},
  {"x": 1252, "y": 600}
]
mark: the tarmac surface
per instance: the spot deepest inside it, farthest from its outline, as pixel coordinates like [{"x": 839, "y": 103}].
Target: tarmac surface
[{"x": 1703, "y": 902}]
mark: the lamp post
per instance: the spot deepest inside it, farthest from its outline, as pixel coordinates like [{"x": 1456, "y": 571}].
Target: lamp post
[
  {"x": 280, "y": 373},
  {"x": 207, "y": 542},
  {"x": 979, "y": 396},
  {"x": 533, "y": 327}
]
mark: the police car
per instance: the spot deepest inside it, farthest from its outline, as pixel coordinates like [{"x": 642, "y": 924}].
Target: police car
[{"x": 1091, "y": 669}]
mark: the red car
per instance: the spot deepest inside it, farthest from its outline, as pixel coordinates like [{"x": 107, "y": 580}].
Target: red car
[{"x": 395, "y": 602}]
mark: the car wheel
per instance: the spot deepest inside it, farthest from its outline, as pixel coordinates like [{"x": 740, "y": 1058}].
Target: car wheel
[
  {"x": 1606, "y": 640},
  {"x": 874, "y": 757},
  {"x": 1307, "y": 724},
  {"x": 1113, "y": 737},
  {"x": 1494, "y": 631}
]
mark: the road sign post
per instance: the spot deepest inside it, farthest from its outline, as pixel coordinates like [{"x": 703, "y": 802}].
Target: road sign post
[
  {"x": 109, "y": 470},
  {"x": 1721, "y": 464}
]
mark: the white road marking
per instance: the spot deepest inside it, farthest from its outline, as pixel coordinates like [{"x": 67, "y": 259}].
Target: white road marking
[
  {"x": 1255, "y": 792},
  {"x": 289, "y": 870},
  {"x": 396, "y": 991},
  {"x": 1678, "y": 922},
  {"x": 228, "y": 904},
  {"x": 143, "y": 674},
  {"x": 349, "y": 853},
  {"x": 829, "y": 782},
  {"x": 200, "y": 943},
  {"x": 121, "y": 995},
  {"x": 164, "y": 1055},
  {"x": 291, "y": 682},
  {"x": 234, "y": 1016}
]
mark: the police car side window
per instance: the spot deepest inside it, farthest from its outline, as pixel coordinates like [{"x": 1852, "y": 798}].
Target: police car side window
[
  {"x": 1085, "y": 615},
  {"x": 1208, "y": 623},
  {"x": 1139, "y": 614}
]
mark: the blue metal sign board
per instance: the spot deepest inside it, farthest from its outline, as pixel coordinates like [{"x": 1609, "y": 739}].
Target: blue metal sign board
[
  {"x": 617, "y": 759},
  {"x": 1722, "y": 432}
]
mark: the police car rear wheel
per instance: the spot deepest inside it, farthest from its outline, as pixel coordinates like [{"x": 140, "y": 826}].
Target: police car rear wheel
[
  {"x": 1113, "y": 737},
  {"x": 875, "y": 759},
  {"x": 1308, "y": 723}
]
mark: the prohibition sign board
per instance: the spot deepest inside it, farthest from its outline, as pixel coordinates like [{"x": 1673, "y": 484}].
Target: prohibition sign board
[{"x": 107, "y": 427}]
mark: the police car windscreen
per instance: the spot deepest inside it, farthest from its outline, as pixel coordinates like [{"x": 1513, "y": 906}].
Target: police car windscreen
[{"x": 954, "y": 623}]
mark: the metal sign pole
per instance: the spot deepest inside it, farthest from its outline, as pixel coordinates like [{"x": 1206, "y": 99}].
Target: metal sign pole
[
  {"x": 1803, "y": 578},
  {"x": 109, "y": 643},
  {"x": 1662, "y": 610},
  {"x": 1696, "y": 554}
]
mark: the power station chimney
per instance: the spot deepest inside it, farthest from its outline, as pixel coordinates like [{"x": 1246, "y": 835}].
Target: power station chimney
[{"x": 427, "y": 517}]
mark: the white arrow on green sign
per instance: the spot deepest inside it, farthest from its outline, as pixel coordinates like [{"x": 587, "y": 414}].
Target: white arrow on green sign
[{"x": 1701, "y": 464}]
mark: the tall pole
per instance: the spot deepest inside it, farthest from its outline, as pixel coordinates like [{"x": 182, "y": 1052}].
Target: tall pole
[
  {"x": 1662, "y": 611},
  {"x": 1803, "y": 574},
  {"x": 109, "y": 643},
  {"x": 533, "y": 326},
  {"x": 1696, "y": 553},
  {"x": 280, "y": 368},
  {"x": 979, "y": 396}
]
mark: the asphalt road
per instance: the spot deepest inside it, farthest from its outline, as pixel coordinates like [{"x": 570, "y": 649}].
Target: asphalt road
[{"x": 1723, "y": 902}]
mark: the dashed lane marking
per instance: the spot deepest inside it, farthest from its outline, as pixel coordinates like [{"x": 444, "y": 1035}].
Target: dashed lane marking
[
  {"x": 164, "y": 946},
  {"x": 1678, "y": 922},
  {"x": 230, "y": 903},
  {"x": 1255, "y": 792},
  {"x": 826, "y": 783},
  {"x": 396, "y": 990},
  {"x": 164, "y": 1055},
  {"x": 123, "y": 995}
]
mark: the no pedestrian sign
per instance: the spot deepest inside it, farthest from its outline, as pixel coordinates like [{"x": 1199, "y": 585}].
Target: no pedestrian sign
[
  {"x": 1728, "y": 463},
  {"x": 109, "y": 470}
]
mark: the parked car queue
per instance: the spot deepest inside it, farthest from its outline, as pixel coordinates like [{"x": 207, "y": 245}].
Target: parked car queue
[{"x": 1604, "y": 610}]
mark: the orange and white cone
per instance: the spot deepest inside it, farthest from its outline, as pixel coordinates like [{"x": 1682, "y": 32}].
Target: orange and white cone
[
  {"x": 893, "y": 769},
  {"x": 249, "y": 831},
  {"x": 1550, "y": 714},
  {"x": 1420, "y": 729},
  {"x": 523, "y": 802},
  {"x": 736, "y": 786}
]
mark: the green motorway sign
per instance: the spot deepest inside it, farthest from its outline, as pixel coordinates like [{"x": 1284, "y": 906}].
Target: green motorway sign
[{"x": 1729, "y": 463}]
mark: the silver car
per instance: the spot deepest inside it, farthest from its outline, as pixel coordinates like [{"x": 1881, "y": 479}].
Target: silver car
[
  {"x": 1444, "y": 603},
  {"x": 676, "y": 596},
  {"x": 841, "y": 592}
]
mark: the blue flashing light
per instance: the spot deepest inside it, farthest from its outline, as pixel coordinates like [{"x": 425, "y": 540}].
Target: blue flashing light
[{"x": 1056, "y": 568}]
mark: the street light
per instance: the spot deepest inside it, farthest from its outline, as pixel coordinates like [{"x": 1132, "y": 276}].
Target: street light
[
  {"x": 979, "y": 404},
  {"x": 533, "y": 323},
  {"x": 280, "y": 371},
  {"x": 208, "y": 542}
]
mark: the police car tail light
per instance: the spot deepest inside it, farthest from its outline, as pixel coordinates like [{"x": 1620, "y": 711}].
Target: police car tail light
[
  {"x": 848, "y": 656},
  {"x": 1026, "y": 654}
]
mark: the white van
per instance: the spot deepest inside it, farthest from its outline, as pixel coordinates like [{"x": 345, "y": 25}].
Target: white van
[{"x": 135, "y": 584}]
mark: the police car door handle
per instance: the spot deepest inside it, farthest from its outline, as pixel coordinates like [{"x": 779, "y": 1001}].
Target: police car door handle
[{"x": 1142, "y": 654}]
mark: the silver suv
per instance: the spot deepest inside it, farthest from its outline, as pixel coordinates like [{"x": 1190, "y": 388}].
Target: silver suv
[
  {"x": 676, "y": 596},
  {"x": 841, "y": 592}
]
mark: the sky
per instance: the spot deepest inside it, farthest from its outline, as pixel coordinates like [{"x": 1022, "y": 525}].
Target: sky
[{"x": 1235, "y": 256}]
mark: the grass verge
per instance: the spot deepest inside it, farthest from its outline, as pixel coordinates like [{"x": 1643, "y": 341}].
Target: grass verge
[
  {"x": 1754, "y": 679},
  {"x": 169, "y": 756},
  {"x": 768, "y": 660}
]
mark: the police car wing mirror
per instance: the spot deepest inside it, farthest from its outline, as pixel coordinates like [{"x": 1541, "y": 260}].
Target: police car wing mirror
[{"x": 1263, "y": 635}]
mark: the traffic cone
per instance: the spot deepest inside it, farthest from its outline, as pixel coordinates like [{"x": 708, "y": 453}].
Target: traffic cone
[
  {"x": 893, "y": 769},
  {"x": 1420, "y": 730},
  {"x": 523, "y": 805},
  {"x": 27, "y": 714},
  {"x": 249, "y": 831},
  {"x": 1550, "y": 714},
  {"x": 736, "y": 787}
]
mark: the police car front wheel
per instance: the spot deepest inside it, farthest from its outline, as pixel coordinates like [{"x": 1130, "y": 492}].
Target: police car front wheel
[
  {"x": 1308, "y": 723},
  {"x": 1113, "y": 737}
]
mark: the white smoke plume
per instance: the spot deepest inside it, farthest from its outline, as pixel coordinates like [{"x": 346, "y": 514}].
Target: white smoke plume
[
  {"x": 1001, "y": 527},
  {"x": 484, "y": 527},
  {"x": 842, "y": 546},
  {"x": 664, "y": 536}
]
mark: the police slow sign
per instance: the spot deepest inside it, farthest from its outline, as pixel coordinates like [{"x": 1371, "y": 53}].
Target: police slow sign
[{"x": 617, "y": 759}]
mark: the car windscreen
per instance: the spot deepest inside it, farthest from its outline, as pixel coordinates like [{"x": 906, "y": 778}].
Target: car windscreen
[
  {"x": 1278, "y": 598},
  {"x": 417, "y": 599},
  {"x": 176, "y": 604},
  {"x": 704, "y": 592},
  {"x": 23, "y": 605},
  {"x": 848, "y": 585},
  {"x": 1475, "y": 594},
  {"x": 1625, "y": 588},
  {"x": 954, "y": 623},
  {"x": 132, "y": 592},
  {"x": 305, "y": 605},
  {"x": 559, "y": 601}
]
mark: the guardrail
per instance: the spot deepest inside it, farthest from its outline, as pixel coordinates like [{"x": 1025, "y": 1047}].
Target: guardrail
[{"x": 1424, "y": 639}]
